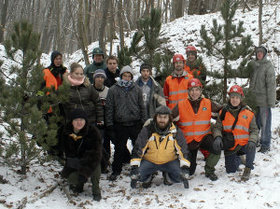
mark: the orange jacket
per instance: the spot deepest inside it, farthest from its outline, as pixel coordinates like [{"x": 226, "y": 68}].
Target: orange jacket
[
  {"x": 191, "y": 71},
  {"x": 241, "y": 131},
  {"x": 195, "y": 126},
  {"x": 50, "y": 81},
  {"x": 176, "y": 89}
]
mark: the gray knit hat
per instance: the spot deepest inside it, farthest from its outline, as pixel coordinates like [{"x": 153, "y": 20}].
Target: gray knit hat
[
  {"x": 261, "y": 49},
  {"x": 99, "y": 72},
  {"x": 126, "y": 69}
]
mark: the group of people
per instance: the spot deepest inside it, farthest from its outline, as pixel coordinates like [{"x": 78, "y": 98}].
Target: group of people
[{"x": 167, "y": 126}]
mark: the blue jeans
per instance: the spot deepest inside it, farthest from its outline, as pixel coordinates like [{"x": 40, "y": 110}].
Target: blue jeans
[
  {"x": 173, "y": 169},
  {"x": 233, "y": 161},
  {"x": 264, "y": 124}
]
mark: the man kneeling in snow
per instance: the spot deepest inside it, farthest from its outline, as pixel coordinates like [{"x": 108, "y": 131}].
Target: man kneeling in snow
[
  {"x": 160, "y": 146},
  {"x": 81, "y": 144}
]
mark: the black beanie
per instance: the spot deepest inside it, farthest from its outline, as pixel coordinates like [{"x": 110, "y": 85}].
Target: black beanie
[
  {"x": 78, "y": 113},
  {"x": 54, "y": 55},
  {"x": 163, "y": 110}
]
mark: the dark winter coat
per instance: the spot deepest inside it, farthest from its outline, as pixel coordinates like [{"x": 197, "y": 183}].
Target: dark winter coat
[
  {"x": 84, "y": 97},
  {"x": 124, "y": 106},
  {"x": 156, "y": 98},
  {"x": 111, "y": 77},
  {"x": 87, "y": 149},
  {"x": 90, "y": 69}
]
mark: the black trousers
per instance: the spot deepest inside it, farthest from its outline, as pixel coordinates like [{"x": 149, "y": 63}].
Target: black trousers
[{"x": 122, "y": 154}]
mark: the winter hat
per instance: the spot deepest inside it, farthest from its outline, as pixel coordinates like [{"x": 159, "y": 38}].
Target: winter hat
[
  {"x": 163, "y": 110},
  {"x": 261, "y": 49},
  {"x": 99, "y": 72},
  {"x": 97, "y": 50},
  {"x": 146, "y": 66},
  {"x": 78, "y": 113},
  {"x": 126, "y": 69},
  {"x": 54, "y": 55}
]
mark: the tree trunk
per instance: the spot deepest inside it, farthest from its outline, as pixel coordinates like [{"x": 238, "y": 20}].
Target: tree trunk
[
  {"x": 106, "y": 5},
  {"x": 120, "y": 15},
  {"x": 112, "y": 26},
  {"x": 197, "y": 7},
  {"x": 4, "y": 9},
  {"x": 260, "y": 23}
]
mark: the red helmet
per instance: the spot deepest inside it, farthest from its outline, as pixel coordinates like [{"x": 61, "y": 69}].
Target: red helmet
[
  {"x": 194, "y": 82},
  {"x": 178, "y": 57},
  {"x": 190, "y": 48},
  {"x": 236, "y": 89}
]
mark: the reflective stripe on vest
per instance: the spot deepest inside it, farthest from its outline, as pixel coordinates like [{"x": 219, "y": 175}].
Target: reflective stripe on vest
[
  {"x": 178, "y": 89},
  {"x": 241, "y": 131},
  {"x": 195, "y": 126}
]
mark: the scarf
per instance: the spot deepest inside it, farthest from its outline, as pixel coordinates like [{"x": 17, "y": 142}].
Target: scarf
[
  {"x": 124, "y": 83},
  {"x": 75, "y": 82}
]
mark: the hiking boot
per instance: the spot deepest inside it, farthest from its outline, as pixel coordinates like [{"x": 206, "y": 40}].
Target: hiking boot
[
  {"x": 211, "y": 176},
  {"x": 264, "y": 150},
  {"x": 246, "y": 174},
  {"x": 146, "y": 184},
  {"x": 97, "y": 197},
  {"x": 166, "y": 179},
  {"x": 113, "y": 176},
  {"x": 76, "y": 188}
]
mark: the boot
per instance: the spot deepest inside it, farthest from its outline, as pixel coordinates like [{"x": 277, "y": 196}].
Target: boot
[
  {"x": 211, "y": 176},
  {"x": 97, "y": 197},
  {"x": 246, "y": 174},
  {"x": 166, "y": 179},
  {"x": 146, "y": 184}
]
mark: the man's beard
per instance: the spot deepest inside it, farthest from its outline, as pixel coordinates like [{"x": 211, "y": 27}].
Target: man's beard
[{"x": 162, "y": 126}]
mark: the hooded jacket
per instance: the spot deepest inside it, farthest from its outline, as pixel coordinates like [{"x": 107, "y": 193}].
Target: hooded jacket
[{"x": 84, "y": 97}]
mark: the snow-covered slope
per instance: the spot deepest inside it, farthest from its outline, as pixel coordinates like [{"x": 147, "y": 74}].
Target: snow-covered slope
[{"x": 261, "y": 191}]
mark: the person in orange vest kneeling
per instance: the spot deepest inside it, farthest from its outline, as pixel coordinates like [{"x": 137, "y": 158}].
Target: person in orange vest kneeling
[
  {"x": 236, "y": 132},
  {"x": 194, "y": 120}
]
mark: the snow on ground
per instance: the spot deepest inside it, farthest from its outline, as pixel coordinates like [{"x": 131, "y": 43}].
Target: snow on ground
[{"x": 261, "y": 191}]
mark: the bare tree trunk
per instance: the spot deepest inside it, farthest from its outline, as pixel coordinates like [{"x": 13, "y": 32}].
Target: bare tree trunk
[
  {"x": 196, "y": 7},
  {"x": 112, "y": 26},
  {"x": 102, "y": 27},
  {"x": 4, "y": 10},
  {"x": 120, "y": 15},
  {"x": 260, "y": 23},
  {"x": 179, "y": 9}
]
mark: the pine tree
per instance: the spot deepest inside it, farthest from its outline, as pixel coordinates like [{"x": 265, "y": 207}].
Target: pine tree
[
  {"x": 19, "y": 101},
  {"x": 226, "y": 42},
  {"x": 149, "y": 50}
]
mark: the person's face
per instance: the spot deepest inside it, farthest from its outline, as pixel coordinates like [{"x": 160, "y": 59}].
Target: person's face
[
  {"x": 112, "y": 65},
  {"x": 191, "y": 57},
  {"x": 99, "y": 80},
  {"x": 235, "y": 101},
  {"x": 145, "y": 73},
  {"x": 98, "y": 58},
  {"x": 126, "y": 76},
  {"x": 162, "y": 121},
  {"x": 179, "y": 67},
  {"x": 195, "y": 93},
  {"x": 260, "y": 55},
  {"x": 78, "y": 123},
  {"x": 77, "y": 74},
  {"x": 57, "y": 61}
]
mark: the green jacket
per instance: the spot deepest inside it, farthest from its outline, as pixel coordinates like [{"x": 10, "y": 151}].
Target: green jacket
[
  {"x": 262, "y": 81},
  {"x": 90, "y": 69}
]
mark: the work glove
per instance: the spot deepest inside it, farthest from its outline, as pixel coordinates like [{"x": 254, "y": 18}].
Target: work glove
[
  {"x": 73, "y": 163},
  {"x": 134, "y": 172},
  {"x": 218, "y": 144},
  {"x": 185, "y": 175},
  {"x": 250, "y": 146}
]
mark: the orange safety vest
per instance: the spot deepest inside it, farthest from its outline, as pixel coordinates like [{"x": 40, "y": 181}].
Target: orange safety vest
[
  {"x": 50, "y": 81},
  {"x": 177, "y": 89},
  {"x": 191, "y": 71},
  {"x": 195, "y": 126},
  {"x": 241, "y": 131}
]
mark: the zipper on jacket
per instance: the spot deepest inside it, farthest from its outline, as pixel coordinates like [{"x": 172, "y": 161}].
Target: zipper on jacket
[
  {"x": 80, "y": 98},
  {"x": 166, "y": 142}
]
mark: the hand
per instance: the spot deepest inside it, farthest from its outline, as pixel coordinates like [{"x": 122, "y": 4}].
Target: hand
[
  {"x": 73, "y": 163},
  {"x": 218, "y": 144},
  {"x": 250, "y": 146}
]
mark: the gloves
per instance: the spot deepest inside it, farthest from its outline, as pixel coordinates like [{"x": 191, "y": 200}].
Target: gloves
[
  {"x": 250, "y": 146},
  {"x": 184, "y": 176},
  {"x": 134, "y": 172},
  {"x": 73, "y": 163},
  {"x": 185, "y": 169},
  {"x": 218, "y": 144}
]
